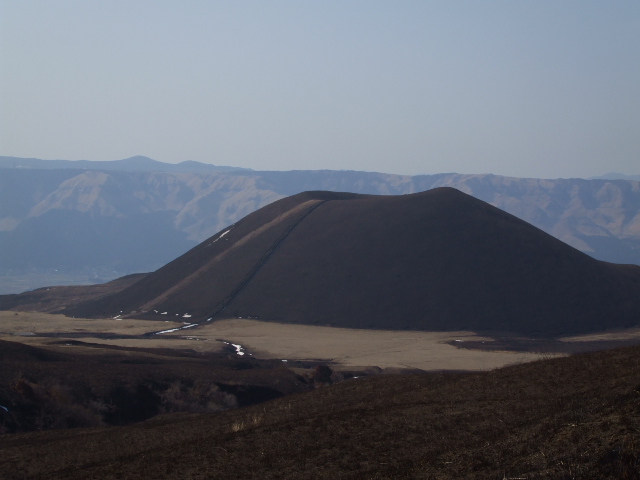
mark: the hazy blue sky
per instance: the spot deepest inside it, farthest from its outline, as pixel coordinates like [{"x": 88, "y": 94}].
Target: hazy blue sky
[{"x": 537, "y": 88}]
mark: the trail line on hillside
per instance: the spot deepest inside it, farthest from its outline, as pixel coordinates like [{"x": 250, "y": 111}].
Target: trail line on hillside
[
  {"x": 264, "y": 259},
  {"x": 209, "y": 264}
]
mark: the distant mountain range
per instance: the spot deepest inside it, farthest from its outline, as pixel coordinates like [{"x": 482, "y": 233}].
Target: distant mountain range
[
  {"x": 72, "y": 221},
  {"x": 616, "y": 176},
  {"x": 132, "y": 164}
]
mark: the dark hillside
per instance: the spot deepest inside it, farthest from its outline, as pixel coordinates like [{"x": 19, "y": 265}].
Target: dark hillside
[
  {"x": 437, "y": 260},
  {"x": 76, "y": 384},
  {"x": 570, "y": 418},
  {"x": 50, "y": 299},
  {"x": 212, "y": 270}
]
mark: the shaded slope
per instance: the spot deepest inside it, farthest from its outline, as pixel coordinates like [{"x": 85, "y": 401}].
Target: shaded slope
[
  {"x": 72, "y": 384},
  {"x": 50, "y": 299},
  {"x": 437, "y": 260},
  {"x": 576, "y": 417},
  {"x": 201, "y": 280}
]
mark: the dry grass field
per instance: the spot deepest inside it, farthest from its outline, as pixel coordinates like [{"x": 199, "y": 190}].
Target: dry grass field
[
  {"x": 25, "y": 323},
  {"x": 341, "y": 347},
  {"x": 628, "y": 335},
  {"x": 571, "y": 418},
  {"x": 43, "y": 330},
  {"x": 360, "y": 348}
]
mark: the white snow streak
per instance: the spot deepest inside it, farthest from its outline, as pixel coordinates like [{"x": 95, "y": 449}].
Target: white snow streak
[
  {"x": 239, "y": 348},
  {"x": 221, "y": 235},
  {"x": 190, "y": 325},
  {"x": 169, "y": 331}
]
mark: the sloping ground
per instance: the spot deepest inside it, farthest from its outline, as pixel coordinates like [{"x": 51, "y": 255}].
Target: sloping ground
[
  {"x": 77, "y": 384},
  {"x": 50, "y": 299},
  {"x": 438, "y": 260},
  {"x": 570, "y": 418},
  {"x": 598, "y": 217}
]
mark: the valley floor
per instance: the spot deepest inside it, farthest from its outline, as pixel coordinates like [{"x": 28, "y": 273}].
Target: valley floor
[{"x": 341, "y": 347}]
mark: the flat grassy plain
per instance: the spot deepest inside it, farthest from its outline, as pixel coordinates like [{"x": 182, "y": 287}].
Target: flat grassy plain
[
  {"x": 360, "y": 348},
  {"x": 25, "y": 323},
  {"x": 341, "y": 347},
  {"x": 164, "y": 406}
]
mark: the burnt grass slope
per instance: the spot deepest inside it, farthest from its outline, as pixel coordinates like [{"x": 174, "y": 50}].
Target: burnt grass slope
[
  {"x": 437, "y": 260},
  {"x": 571, "y": 418},
  {"x": 75, "y": 384}
]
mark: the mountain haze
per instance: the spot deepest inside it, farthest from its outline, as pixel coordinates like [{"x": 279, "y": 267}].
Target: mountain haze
[{"x": 138, "y": 163}]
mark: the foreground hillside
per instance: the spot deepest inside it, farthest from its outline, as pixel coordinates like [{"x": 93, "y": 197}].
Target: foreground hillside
[
  {"x": 570, "y": 418},
  {"x": 436, "y": 261},
  {"x": 107, "y": 219},
  {"x": 73, "y": 383}
]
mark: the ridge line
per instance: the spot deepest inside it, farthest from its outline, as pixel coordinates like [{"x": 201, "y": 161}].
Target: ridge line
[{"x": 263, "y": 260}]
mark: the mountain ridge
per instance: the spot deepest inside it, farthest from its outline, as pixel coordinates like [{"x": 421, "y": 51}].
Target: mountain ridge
[
  {"x": 110, "y": 223},
  {"x": 137, "y": 163}
]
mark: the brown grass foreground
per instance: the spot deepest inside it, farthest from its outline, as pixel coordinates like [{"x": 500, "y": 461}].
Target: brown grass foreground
[{"x": 569, "y": 418}]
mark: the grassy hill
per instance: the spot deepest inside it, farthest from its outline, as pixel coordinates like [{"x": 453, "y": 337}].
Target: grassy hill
[
  {"x": 569, "y": 418},
  {"x": 437, "y": 260}
]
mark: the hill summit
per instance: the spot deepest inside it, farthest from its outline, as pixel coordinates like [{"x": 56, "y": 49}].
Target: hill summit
[{"x": 436, "y": 260}]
